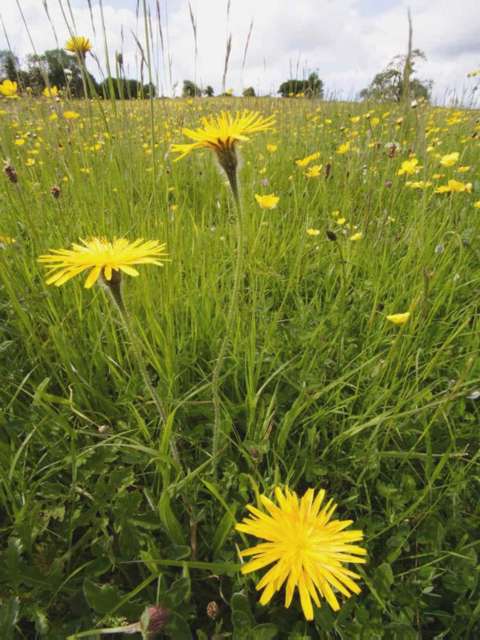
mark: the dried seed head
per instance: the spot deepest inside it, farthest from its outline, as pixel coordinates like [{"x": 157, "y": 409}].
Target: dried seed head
[
  {"x": 55, "y": 191},
  {"x": 331, "y": 235},
  {"x": 213, "y": 610},
  {"x": 10, "y": 172}
]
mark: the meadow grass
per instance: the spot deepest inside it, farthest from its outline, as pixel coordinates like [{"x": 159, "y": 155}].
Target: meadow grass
[{"x": 318, "y": 389}]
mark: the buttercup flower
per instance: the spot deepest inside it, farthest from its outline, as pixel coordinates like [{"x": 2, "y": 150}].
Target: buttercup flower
[
  {"x": 79, "y": 45},
  {"x": 450, "y": 159},
  {"x": 268, "y": 201},
  {"x": 8, "y": 89},
  {"x": 408, "y": 167},
  {"x": 399, "y": 318},
  {"x": 303, "y": 162},
  {"x": 50, "y": 92},
  {"x": 306, "y": 548},
  {"x": 314, "y": 171},
  {"x": 454, "y": 186},
  {"x": 71, "y": 115},
  {"x": 102, "y": 258}
]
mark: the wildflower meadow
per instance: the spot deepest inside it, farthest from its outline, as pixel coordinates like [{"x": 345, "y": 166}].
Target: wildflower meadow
[{"x": 239, "y": 360}]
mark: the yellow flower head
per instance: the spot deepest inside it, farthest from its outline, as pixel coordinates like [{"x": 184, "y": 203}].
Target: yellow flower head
[
  {"x": 221, "y": 132},
  {"x": 399, "y": 318},
  {"x": 268, "y": 201},
  {"x": 50, "y": 92},
  {"x": 272, "y": 148},
  {"x": 303, "y": 162},
  {"x": 6, "y": 240},
  {"x": 314, "y": 171},
  {"x": 78, "y": 44},
  {"x": 313, "y": 232},
  {"x": 450, "y": 159},
  {"x": 408, "y": 167},
  {"x": 71, "y": 115},
  {"x": 8, "y": 89},
  {"x": 454, "y": 186},
  {"x": 102, "y": 258},
  {"x": 343, "y": 148},
  {"x": 306, "y": 548},
  {"x": 356, "y": 236}
]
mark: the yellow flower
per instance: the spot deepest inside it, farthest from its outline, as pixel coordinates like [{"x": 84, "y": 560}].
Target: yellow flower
[
  {"x": 78, "y": 44},
  {"x": 356, "y": 236},
  {"x": 8, "y": 89},
  {"x": 313, "y": 232},
  {"x": 51, "y": 92},
  {"x": 271, "y": 148},
  {"x": 20, "y": 141},
  {"x": 268, "y": 201},
  {"x": 314, "y": 171},
  {"x": 454, "y": 186},
  {"x": 399, "y": 318},
  {"x": 102, "y": 258},
  {"x": 6, "y": 240},
  {"x": 418, "y": 184},
  {"x": 463, "y": 169},
  {"x": 306, "y": 548},
  {"x": 343, "y": 148},
  {"x": 477, "y": 204},
  {"x": 221, "y": 133},
  {"x": 408, "y": 167},
  {"x": 306, "y": 161},
  {"x": 71, "y": 115},
  {"x": 450, "y": 159}
]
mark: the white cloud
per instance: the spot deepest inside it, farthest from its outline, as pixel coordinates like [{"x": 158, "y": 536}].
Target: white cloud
[{"x": 345, "y": 43}]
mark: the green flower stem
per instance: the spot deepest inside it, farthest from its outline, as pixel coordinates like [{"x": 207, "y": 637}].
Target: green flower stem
[
  {"x": 229, "y": 164},
  {"x": 114, "y": 288}
]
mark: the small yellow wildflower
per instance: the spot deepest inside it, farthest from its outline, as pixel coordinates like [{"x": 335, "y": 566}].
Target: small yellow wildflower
[
  {"x": 314, "y": 171},
  {"x": 303, "y": 162},
  {"x": 8, "y": 89},
  {"x": 408, "y": 167},
  {"x": 477, "y": 204},
  {"x": 78, "y": 44},
  {"x": 449, "y": 159},
  {"x": 306, "y": 548},
  {"x": 454, "y": 186},
  {"x": 399, "y": 318},
  {"x": 268, "y": 201},
  {"x": 271, "y": 148},
  {"x": 343, "y": 148},
  {"x": 313, "y": 232},
  {"x": 356, "y": 236},
  {"x": 50, "y": 92},
  {"x": 71, "y": 115}
]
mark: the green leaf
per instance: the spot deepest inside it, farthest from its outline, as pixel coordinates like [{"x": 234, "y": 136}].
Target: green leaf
[
  {"x": 169, "y": 520},
  {"x": 101, "y": 598},
  {"x": 177, "y": 627},
  {"x": 179, "y": 592},
  {"x": 8, "y": 617},
  {"x": 265, "y": 632}
]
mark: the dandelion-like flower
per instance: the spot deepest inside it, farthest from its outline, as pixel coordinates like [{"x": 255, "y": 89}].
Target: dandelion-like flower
[
  {"x": 306, "y": 548},
  {"x": 221, "y": 133},
  {"x": 51, "y": 92},
  {"x": 8, "y": 89},
  {"x": 79, "y": 45},
  {"x": 102, "y": 258}
]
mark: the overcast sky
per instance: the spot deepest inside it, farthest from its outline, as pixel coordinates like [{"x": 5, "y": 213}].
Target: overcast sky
[{"x": 345, "y": 41}]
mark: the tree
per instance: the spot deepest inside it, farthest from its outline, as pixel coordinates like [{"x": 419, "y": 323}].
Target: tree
[
  {"x": 249, "y": 92},
  {"x": 9, "y": 65},
  {"x": 312, "y": 87},
  {"x": 190, "y": 89},
  {"x": 124, "y": 88},
  {"x": 394, "y": 83},
  {"x": 208, "y": 91}
]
